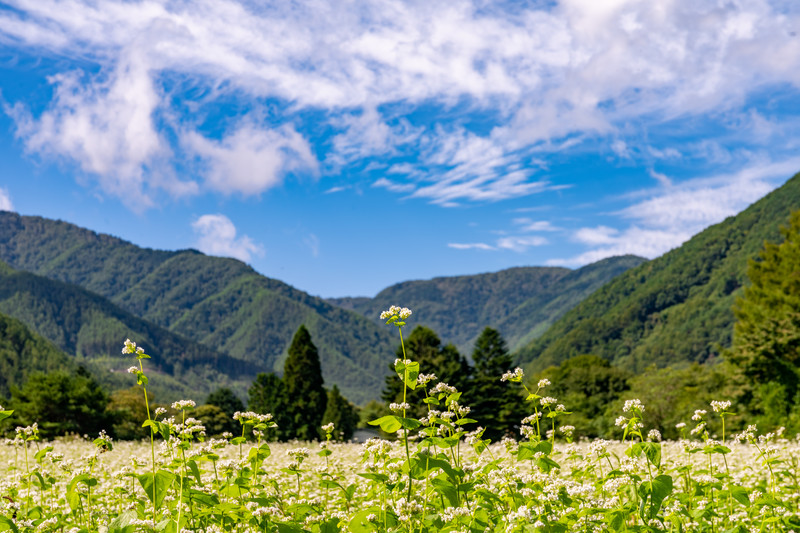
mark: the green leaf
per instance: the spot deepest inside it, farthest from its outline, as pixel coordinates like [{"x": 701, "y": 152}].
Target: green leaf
[
  {"x": 122, "y": 523},
  {"x": 388, "y": 423},
  {"x": 7, "y": 524},
  {"x": 156, "y": 490},
  {"x": 657, "y": 491},
  {"x": 446, "y": 489},
  {"x": 740, "y": 495},
  {"x": 5, "y": 414}
]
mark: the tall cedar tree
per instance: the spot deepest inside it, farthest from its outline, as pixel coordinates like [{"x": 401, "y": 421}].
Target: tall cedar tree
[
  {"x": 342, "y": 413},
  {"x": 497, "y": 406},
  {"x": 267, "y": 395},
  {"x": 424, "y": 347},
  {"x": 302, "y": 380},
  {"x": 766, "y": 335}
]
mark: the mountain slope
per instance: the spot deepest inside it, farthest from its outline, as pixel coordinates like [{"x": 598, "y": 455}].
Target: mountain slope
[
  {"x": 674, "y": 308},
  {"x": 520, "y": 302},
  {"x": 89, "y": 328},
  {"x": 23, "y": 352},
  {"x": 219, "y": 302}
]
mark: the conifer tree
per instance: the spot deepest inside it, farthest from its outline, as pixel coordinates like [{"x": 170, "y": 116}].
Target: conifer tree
[
  {"x": 425, "y": 347},
  {"x": 766, "y": 335},
  {"x": 267, "y": 395},
  {"x": 497, "y": 406},
  {"x": 303, "y": 383},
  {"x": 342, "y": 413}
]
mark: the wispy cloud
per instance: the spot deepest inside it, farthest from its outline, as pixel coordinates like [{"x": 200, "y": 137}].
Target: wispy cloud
[
  {"x": 670, "y": 216},
  {"x": 547, "y": 76},
  {"x": 5, "y": 200},
  {"x": 513, "y": 243},
  {"x": 216, "y": 235}
]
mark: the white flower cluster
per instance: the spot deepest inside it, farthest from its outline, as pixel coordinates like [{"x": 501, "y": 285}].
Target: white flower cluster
[
  {"x": 698, "y": 414},
  {"x": 718, "y": 406},
  {"x": 397, "y": 407},
  {"x": 130, "y": 347},
  {"x": 180, "y": 405},
  {"x": 543, "y": 383},
  {"x": 395, "y": 311},
  {"x": 633, "y": 404},
  {"x": 250, "y": 416},
  {"x": 513, "y": 375},
  {"x": 328, "y": 428}
]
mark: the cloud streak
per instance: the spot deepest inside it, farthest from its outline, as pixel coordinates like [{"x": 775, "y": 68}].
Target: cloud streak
[{"x": 579, "y": 68}]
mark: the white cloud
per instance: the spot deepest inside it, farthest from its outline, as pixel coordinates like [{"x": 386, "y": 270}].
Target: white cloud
[
  {"x": 251, "y": 160},
  {"x": 216, "y": 235},
  {"x": 671, "y": 216},
  {"x": 515, "y": 243},
  {"x": 526, "y": 224},
  {"x": 5, "y": 200},
  {"x": 470, "y": 246},
  {"x": 392, "y": 185},
  {"x": 520, "y": 244},
  {"x": 312, "y": 241},
  {"x": 547, "y": 76}
]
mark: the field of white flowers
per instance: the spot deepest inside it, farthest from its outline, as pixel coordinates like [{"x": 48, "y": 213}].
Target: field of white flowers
[
  {"x": 75, "y": 485},
  {"x": 437, "y": 476}
]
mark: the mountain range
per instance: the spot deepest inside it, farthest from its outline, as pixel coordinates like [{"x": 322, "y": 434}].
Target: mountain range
[
  {"x": 210, "y": 321},
  {"x": 70, "y": 296}
]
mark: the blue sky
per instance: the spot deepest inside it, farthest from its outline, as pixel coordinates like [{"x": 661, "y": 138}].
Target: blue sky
[{"x": 345, "y": 146}]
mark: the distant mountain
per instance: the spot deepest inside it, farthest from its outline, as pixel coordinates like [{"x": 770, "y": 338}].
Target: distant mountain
[
  {"x": 91, "y": 329},
  {"x": 23, "y": 352},
  {"x": 521, "y": 302},
  {"x": 221, "y": 303},
  {"x": 674, "y": 308}
]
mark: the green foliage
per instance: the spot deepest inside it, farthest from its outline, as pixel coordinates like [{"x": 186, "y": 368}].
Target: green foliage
[
  {"x": 342, "y": 413},
  {"x": 676, "y": 308},
  {"x": 215, "y": 420},
  {"x": 423, "y": 346},
  {"x": 673, "y": 393},
  {"x": 520, "y": 302},
  {"x": 127, "y": 410},
  {"x": 267, "y": 395},
  {"x": 61, "y": 403},
  {"x": 588, "y": 386},
  {"x": 227, "y": 401},
  {"x": 23, "y": 353},
  {"x": 497, "y": 406},
  {"x": 220, "y": 303},
  {"x": 766, "y": 335},
  {"x": 303, "y": 385}
]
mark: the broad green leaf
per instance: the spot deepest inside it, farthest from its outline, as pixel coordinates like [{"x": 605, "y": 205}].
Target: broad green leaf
[{"x": 156, "y": 490}]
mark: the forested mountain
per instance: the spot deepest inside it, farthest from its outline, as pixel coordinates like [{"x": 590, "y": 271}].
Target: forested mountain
[
  {"x": 675, "y": 308},
  {"x": 23, "y": 352},
  {"x": 521, "y": 303},
  {"x": 90, "y": 328},
  {"x": 219, "y": 302}
]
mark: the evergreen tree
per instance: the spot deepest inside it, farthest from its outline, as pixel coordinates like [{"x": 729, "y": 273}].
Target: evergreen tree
[
  {"x": 497, "y": 406},
  {"x": 424, "y": 347},
  {"x": 61, "y": 403},
  {"x": 342, "y": 413},
  {"x": 766, "y": 335},
  {"x": 268, "y": 395},
  {"x": 305, "y": 394}
]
